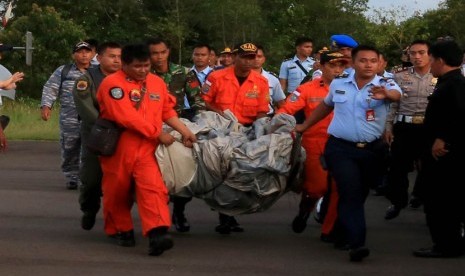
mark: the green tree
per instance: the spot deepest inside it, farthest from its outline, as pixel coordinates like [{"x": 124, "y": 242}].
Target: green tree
[{"x": 54, "y": 38}]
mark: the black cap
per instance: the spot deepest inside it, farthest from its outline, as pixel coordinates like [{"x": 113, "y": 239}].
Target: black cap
[
  {"x": 245, "y": 49},
  {"x": 332, "y": 56},
  {"x": 81, "y": 45}
]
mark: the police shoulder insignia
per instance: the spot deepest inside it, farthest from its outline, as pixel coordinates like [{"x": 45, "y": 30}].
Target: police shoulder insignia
[
  {"x": 82, "y": 85},
  {"x": 287, "y": 59},
  {"x": 116, "y": 93}
]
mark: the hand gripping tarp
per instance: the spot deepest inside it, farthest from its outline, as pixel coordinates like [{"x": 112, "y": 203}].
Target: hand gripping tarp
[{"x": 235, "y": 169}]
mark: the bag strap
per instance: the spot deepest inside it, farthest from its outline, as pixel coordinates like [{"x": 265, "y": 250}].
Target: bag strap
[
  {"x": 301, "y": 67},
  {"x": 64, "y": 74}
]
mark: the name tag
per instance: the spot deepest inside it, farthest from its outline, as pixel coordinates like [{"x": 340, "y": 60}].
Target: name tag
[{"x": 340, "y": 92}]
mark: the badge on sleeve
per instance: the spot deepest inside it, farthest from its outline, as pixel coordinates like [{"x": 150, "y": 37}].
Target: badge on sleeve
[
  {"x": 154, "y": 97},
  {"x": 116, "y": 93},
  {"x": 135, "y": 95},
  {"x": 294, "y": 97}
]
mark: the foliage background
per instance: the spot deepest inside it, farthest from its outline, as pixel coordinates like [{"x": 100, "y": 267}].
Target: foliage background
[{"x": 275, "y": 24}]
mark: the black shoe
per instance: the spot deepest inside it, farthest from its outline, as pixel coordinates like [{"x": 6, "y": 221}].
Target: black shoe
[
  {"x": 300, "y": 222},
  {"x": 125, "y": 239},
  {"x": 358, "y": 254},
  {"x": 415, "y": 202},
  {"x": 223, "y": 228},
  {"x": 392, "y": 212},
  {"x": 434, "y": 253},
  {"x": 159, "y": 241},
  {"x": 72, "y": 185},
  {"x": 88, "y": 220},
  {"x": 180, "y": 223}
]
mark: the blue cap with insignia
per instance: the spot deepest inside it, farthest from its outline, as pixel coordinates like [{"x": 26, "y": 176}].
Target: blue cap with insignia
[{"x": 343, "y": 40}]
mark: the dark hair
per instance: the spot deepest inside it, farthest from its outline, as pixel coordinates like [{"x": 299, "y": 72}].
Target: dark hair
[
  {"x": 449, "y": 51},
  {"x": 421, "y": 42},
  {"x": 92, "y": 42},
  {"x": 260, "y": 47},
  {"x": 133, "y": 52},
  {"x": 158, "y": 40},
  {"x": 105, "y": 45},
  {"x": 363, "y": 48},
  {"x": 203, "y": 45},
  {"x": 301, "y": 40}
]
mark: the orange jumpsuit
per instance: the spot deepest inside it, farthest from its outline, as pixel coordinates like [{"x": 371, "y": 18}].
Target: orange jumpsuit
[
  {"x": 134, "y": 158},
  {"x": 308, "y": 96},
  {"x": 222, "y": 90}
]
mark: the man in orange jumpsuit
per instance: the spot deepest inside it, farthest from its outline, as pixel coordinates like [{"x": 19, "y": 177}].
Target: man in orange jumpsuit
[
  {"x": 245, "y": 93},
  {"x": 138, "y": 101},
  {"x": 308, "y": 96}
]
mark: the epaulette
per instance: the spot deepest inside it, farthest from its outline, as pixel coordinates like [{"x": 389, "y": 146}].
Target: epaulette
[
  {"x": 273, "y": 74},
  {"x": 342, "y": 76},
  {"x": 287, "y": 59},
  {"x": 398, "y": 69},
  {"x": 218, "y": 67}
]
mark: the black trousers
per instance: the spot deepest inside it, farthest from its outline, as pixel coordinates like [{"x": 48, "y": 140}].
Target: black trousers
[
  {"x": 444, "y": 201},
  {"x": 406, "y": 151},
  {"x": 355, "y": 171}
]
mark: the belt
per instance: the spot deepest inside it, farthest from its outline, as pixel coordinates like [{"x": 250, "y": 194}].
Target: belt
[
  {"x": 415, "y": 119},
  {"x": 359, "y": 145}
]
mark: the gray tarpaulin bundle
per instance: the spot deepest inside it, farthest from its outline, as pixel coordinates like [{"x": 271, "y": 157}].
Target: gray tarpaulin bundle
[{"x": 235, "y": 169}]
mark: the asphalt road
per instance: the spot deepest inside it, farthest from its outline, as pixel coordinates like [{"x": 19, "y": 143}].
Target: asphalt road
[{"x": 40, "y": 234}]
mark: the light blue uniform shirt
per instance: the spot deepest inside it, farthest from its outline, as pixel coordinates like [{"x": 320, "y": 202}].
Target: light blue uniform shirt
[
  {"x": 350, "y": 109},
  {"x": 291, "y": 72},
  {"x": 202, "y": 75},
  {"x": 276, "y": 91}
]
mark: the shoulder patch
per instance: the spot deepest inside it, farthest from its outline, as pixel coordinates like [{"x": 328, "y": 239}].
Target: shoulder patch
[
  {"x": 342, "y": 76},
  {"x": 116, "y": 93},
  {"x": 206, "y": 87}
]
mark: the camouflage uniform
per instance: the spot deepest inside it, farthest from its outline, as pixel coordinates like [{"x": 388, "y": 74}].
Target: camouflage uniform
[
  {"x": 182, "y": 82},
  {"x": 85, "y": 98},
  {"x": 70, "y": 140}
]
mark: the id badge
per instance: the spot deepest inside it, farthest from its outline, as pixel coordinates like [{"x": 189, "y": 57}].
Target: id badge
[{"x": 370, "y": 115}]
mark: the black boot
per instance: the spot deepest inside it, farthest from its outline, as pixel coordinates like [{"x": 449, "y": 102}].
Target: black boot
[
  {"x": 159, "y": 241},
  {"x": 179, "y": 219},
  {"x": 305, "y": 208}
]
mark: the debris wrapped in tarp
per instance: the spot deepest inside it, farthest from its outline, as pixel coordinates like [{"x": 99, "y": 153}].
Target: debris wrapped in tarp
[{"x": 235, "y": 169}]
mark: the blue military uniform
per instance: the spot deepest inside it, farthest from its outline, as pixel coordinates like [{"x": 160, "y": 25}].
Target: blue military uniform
[
  {"x": 70, "y": 139},
  {"x": 355, "y": 151},
  {"x": 291, "y": 71}
]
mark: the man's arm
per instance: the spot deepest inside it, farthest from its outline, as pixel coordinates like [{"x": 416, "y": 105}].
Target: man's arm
[
  {"x": 283, "y": 83},
  {"x": 320, "y": 112},
  {"x": 188, "y": 138}
]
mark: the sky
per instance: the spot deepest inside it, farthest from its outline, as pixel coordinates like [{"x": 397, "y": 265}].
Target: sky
[{"x": 410, "y": 5}]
